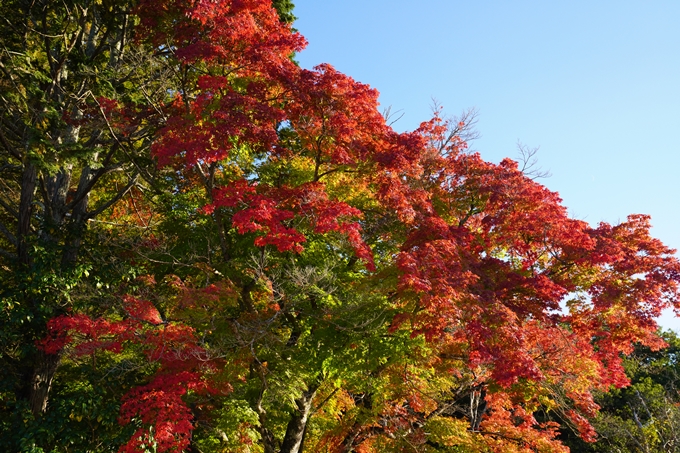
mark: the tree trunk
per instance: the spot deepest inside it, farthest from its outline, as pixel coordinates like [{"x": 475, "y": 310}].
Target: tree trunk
[
  {"x": 76, "y": 232},
  {"x": 297, "y": 426},
  {"x": 39, "y": 130},
  {"x": 41, "y": 381},
  {"x": 477, "y": 407},
  {"x": 25, "y": 209}
]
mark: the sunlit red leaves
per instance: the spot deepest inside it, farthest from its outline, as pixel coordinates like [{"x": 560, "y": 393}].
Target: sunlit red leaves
[
  {"x": 208, "y": 128},
  {"x": 245, "y": 32},
  {"x": 335, "y": 117},
  {"x": 493, "y": 256},
  {"x": 242, "y": 39},
  {"x": 633, "y": 277},
  {"x": 268, "y": 211},
  {"x": 510, "y": 428}
]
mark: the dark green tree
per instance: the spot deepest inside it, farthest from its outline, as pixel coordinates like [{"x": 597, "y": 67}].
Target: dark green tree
[
  {"x": 66, "y": 159},
  {"x": 285, "y": 10}
]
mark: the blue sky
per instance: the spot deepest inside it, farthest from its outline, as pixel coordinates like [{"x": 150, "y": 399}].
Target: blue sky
[{"x": 594, "y": 84}]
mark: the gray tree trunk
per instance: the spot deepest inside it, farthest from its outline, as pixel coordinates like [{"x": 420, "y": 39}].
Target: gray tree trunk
[{"x": 297, "y": 426}]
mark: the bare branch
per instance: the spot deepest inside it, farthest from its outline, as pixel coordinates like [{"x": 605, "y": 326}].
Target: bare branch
[
  {"x": 528, "y": 162},
  {"x": 389, "y": 115},
  {"x": 460, "y": 129}
]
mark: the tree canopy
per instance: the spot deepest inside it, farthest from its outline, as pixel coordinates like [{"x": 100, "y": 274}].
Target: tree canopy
[{"x": 206, "y": 248}]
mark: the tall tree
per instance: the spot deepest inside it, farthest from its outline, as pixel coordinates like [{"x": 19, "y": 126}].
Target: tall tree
[{"x": 57, "y": 145}]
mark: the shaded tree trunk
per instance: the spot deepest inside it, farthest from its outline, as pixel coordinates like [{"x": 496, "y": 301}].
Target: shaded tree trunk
[
  {"x": 28, "y": 179},
  {"x": 41, "y": 381}
]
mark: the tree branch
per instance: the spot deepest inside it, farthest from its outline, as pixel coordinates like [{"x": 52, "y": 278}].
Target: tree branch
[
  {"x": 13, "y": 212},
  {"x": 121, "y": 193},
  {"x": 10, "y": 237},
  {"x": 8, "y": 255}
]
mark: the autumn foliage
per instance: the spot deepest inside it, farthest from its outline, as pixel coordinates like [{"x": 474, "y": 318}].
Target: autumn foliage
[{"x": 391, "y": 288}]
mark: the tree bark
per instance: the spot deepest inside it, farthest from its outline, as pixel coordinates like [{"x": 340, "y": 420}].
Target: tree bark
[
  {"x": 25, "y": 209},
  {"x": 477, "y": 407},
  {"x": 41, "y": 381},
  {"x": 78, "y": 219},
  {"x": 297, "y": 426}
]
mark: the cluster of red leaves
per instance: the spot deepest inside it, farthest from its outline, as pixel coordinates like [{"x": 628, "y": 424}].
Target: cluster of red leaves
[
  {"x": 159, "y": 404},
  {"x": 266, "y": 210},
  {"x": 244, "y": 33},
  {"x": 89, "y": 334},
  {"x": 142, "y": 310},
  {"x": 563, "y": 359},
  {"x": 245, "y": 40},
  {"x": 260, "y": 212},
  {"x": 335, "y": 118},
  {"x": 183, "y": 365},
  {"x": 509, "y": 421}
]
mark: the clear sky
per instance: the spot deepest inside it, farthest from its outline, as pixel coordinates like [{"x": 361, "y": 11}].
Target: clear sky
[{"x": 594, "y": 84}]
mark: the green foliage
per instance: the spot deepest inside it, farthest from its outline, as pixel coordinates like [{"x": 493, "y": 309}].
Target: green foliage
[
  {"x": 83, "y": 412},
  {"x": 285, "y": 10},
  {"x": 645, "y": 416}
]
